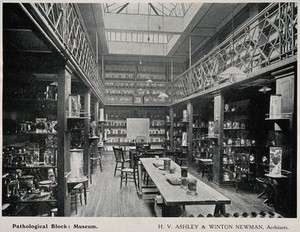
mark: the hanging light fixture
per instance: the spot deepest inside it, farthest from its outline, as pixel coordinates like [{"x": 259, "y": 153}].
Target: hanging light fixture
[
  {"x": 163, "y": 95},
  {"x": 233, "y": 73},
  {"x": 265, "y": 89},
  {"x": 149, "y": 81},
  {"x": 140, "y": 62}
]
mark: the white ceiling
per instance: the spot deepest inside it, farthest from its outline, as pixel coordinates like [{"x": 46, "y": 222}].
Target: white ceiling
[{"x": 130, "y": 26}]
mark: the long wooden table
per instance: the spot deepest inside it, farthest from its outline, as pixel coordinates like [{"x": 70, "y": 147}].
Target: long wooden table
[{"x": 174, "y": 194}]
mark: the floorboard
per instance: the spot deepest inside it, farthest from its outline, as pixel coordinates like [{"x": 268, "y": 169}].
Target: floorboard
[{"x": 106, "y": 199}]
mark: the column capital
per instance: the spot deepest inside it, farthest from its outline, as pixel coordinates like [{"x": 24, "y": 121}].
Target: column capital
[
  {"x": 284, "y": 72},
  {"x": 217, "y": 93}
]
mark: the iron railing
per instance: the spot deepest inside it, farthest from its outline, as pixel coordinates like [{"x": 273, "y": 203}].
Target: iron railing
[
  {"x": 65, "y": 23},
  {"x": 268, "y": 38}
]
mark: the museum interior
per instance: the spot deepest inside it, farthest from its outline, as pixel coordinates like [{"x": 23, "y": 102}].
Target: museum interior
[{"x": 149, "y": 109}]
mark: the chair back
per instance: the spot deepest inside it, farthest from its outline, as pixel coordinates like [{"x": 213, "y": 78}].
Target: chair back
[
  {"x": 119, "y": 156},
  {"x": 141, "y": 145}
]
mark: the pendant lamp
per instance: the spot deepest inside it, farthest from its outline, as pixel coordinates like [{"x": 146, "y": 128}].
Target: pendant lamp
[
  {"x": 149, "y": 81},
  {"x": 264, "y": 89},
  {"x": 232, "y": 74},
  {"x": 163, "y": 95}
]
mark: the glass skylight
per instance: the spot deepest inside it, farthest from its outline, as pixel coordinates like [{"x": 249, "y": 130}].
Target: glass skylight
[
  {"x": 158, "y": 9},
  {"x": 138, "y": 37}
]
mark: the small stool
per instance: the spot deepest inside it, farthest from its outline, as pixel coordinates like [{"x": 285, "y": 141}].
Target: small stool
[
  {"x": 75, "y": 193},
  {"x": 54, "y": 212}
]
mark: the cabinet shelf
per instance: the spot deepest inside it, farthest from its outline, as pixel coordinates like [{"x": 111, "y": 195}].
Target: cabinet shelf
[
  {"x": 237, "y": 146},
  {"x": 237, "y": 112},
  {"x": 216, "y": 136},
  {"x": 161, "y": 127},
  {"x": 37, "y": 133},
  {"x": 78, "y": 118},
  {"x": 116, "y": 135},
  {"x": 121, "y": 127},
  {"x": 30, "y": 167},
  {"x": 279, "y": 117},
  {"x": 36, "y": 100},
  {"x": 157, "y": 135}
]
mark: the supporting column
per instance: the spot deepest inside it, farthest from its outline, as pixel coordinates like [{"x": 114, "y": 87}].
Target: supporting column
[
  {"x": 97, "y": 47},
  {"x": 172, "y": 70},
  {"x": 190, "y": 65},
  {"x": 86, "y": 153},
  {"x": 96, "y": 116},
  {"x": 286, "y": 134},
  {"x": 63, "y": 143},
  {"x": 218, "y": 148},
  {"x": 189, "y": 107},
  {"x": 171, "y": 112},
  {"x": 190, "y": 52},
  {"x": 102, "y": 67}
]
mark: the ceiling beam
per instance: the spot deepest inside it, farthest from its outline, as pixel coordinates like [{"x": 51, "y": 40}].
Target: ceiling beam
[
  {"x": 122, "y": 8},
  {"x": 129, "y": 23},
  {"x": 153, "y": 8},
  {"x": 142, "y": 31}
]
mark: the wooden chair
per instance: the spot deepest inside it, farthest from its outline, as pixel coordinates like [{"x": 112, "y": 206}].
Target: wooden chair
[
  {"x": 126, "y": 171},
  {"x": 120, "y": 159},
  {"x": 243, "y": 174}
]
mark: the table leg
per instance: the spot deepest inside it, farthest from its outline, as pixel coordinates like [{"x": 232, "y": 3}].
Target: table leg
[
  {"x": 100, "y": 164},
  {"x": 84, "y": 192},
  {"x": 220, "y": 209},
  {"x": 203, "y": 170},
  {"x": 158, "y": 209},
  {"x": 139, "y": 178}
]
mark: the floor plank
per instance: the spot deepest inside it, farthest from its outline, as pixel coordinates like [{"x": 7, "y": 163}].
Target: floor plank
[{"x": 106, "y": 199}]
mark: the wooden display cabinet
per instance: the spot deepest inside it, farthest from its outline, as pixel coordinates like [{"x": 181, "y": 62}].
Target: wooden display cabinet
[
  {"x": 237, "y": 137},
  {"x": 30, "y": 150}
]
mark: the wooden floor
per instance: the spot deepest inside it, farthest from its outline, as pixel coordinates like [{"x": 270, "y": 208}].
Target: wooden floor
[{"x": 106, "y": 199}]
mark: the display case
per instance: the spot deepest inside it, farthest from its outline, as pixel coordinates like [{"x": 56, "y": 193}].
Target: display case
[
  {"x": 116, "y": 125},
  {"x": 157, "y": 131},
  {"x": 237, "y": 137},
  {"x": 29, "y": 168}
]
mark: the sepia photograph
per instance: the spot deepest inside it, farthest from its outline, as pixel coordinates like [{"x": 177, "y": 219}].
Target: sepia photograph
[{"x": 149, "y": 116}]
